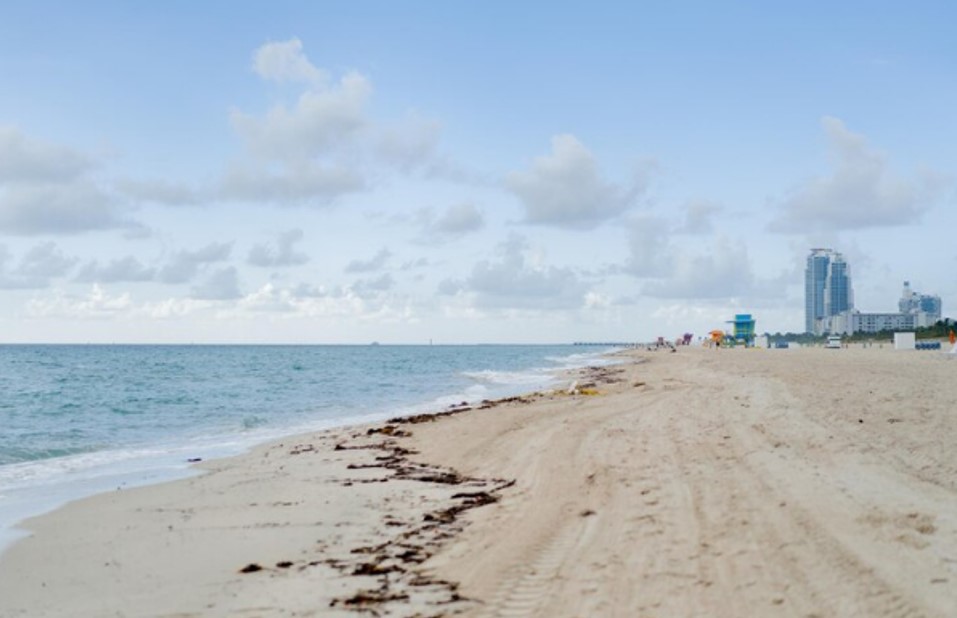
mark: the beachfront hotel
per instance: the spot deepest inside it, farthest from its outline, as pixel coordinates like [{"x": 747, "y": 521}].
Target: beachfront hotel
[
  {"x": 827, "y": 289},
  {"x": 829, "y": 301}
]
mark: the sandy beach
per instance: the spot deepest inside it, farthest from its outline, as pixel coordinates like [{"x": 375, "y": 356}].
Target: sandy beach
[{"x": 805, "y": 483}]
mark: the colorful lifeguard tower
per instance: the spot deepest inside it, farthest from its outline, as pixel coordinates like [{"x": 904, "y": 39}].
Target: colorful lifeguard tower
[{"x": 743, "y": 329}]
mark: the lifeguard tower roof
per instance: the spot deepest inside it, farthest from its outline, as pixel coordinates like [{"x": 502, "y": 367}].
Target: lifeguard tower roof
[{"x": 743, "y": 326}]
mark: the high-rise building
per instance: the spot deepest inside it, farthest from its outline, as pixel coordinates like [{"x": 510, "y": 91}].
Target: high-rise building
[
  {"x": 838, "y": 295},
  {"x": 912, "y": 302},
  {"x": 814, "y": 278},
  {"x": 827, "y": 289},
  {"x": 931, "y": 305},
  {"x": 829, "y": 301},
  {"x": 908, "y": 301},
  {"x": 926, "y": 306}
]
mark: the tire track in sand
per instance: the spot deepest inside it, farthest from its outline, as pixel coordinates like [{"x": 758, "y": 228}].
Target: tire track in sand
[{"x": 527, "y": 586}]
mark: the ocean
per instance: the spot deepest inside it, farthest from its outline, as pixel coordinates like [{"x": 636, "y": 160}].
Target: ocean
[{"x": 77, "y": 420}]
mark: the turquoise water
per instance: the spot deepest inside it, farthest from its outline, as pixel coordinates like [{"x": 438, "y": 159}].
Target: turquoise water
[{"x": 76, "y": 420}]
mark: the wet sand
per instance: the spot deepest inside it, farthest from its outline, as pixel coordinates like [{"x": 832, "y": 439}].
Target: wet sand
[{"x": 702, "y": 483}]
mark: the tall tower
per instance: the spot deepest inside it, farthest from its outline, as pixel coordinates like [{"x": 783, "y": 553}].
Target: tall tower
[
  {"x": 912, "y": 302},
  {"x": 908, "y": 299},
  {"x": 815, "y": 276},
  {"x": 838, "y": 296},
  {"x": 827, "y": 289}
]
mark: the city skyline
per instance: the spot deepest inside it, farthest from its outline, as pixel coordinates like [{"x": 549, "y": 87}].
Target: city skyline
[
  {"x": 829, "y": 301},
  {"x": 363, "y": 172}
]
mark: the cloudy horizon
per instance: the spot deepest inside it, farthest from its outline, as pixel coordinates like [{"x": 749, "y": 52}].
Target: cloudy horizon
[{"x": 346, "y": 174}]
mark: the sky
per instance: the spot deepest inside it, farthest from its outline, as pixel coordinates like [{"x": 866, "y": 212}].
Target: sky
[{"x": 494, "y": 172}]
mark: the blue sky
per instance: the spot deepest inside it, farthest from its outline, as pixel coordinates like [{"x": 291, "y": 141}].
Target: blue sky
[{"x": 400, "y": 172}]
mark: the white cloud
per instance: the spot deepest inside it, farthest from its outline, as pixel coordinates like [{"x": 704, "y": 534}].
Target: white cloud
[
  {"x": 596, "y": 300},
  {"x": 220, "y": 300},
  {"x": 45, "y": 261},
  {"x": 45, "y": 189},
  {"x": 861, "y": 192},
  {"x": 305, "y": 183},
  {"x": 306, "y": 290},
  {"x": 159, "y": 192},
  {"x": 459, "y": 219},
  {"x": 12, "y": 281},
  {"x": 320, "y": 121},
  {"x": 723, "y": 272},
  {"x": 293, "y": 303},
  {"x": 97, "y": 304},
  {"x": 513, "y": 282},
  {"x": 306, "y": 153},
  {"x": 410, "y": 145},
  {"x": 23, "y": 159},
  {"x": 366, "y": 288},
  {"x": 456, "y": 221},
  {"x": 117, "y": 270},
  {"x": 172, "y": 308},
  {"x": 269, "y": 298},
  {"x": 649, "y": 248},
  {"x": 8, "y": 282},
  {"x": 416, "y": 264},
  {"x": 322, "y": 145},
  {"x": 565, "y": 188},
  {"x": 377, "y": 262},
  {"x": 282, "y": 254},
  {"x": 222, "y": 284},
  {"x": 57, "y": 208},
  {"x": 681, "y": 315},
  {"x": 698, "y": 217},
  {"x": 285, "y": 61},
  {"x": 36, "y": 267},
  {"x": 450, "y": 287},
  {"x": 347, "y": 306},
  {"x": 184, "y": 265}
]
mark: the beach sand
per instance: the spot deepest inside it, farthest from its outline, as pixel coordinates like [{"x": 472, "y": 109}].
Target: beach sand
[{"x": 731, "y": 483}]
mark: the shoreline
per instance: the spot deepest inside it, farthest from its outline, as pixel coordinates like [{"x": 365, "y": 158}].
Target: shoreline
[
  {"x": 726, "y": 483},
  {"x": 351, "y": 455},
  {"x": 162, "y": 463}
]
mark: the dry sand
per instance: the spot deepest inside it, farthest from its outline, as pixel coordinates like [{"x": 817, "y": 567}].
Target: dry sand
[{"x": 703, "y": 483}]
